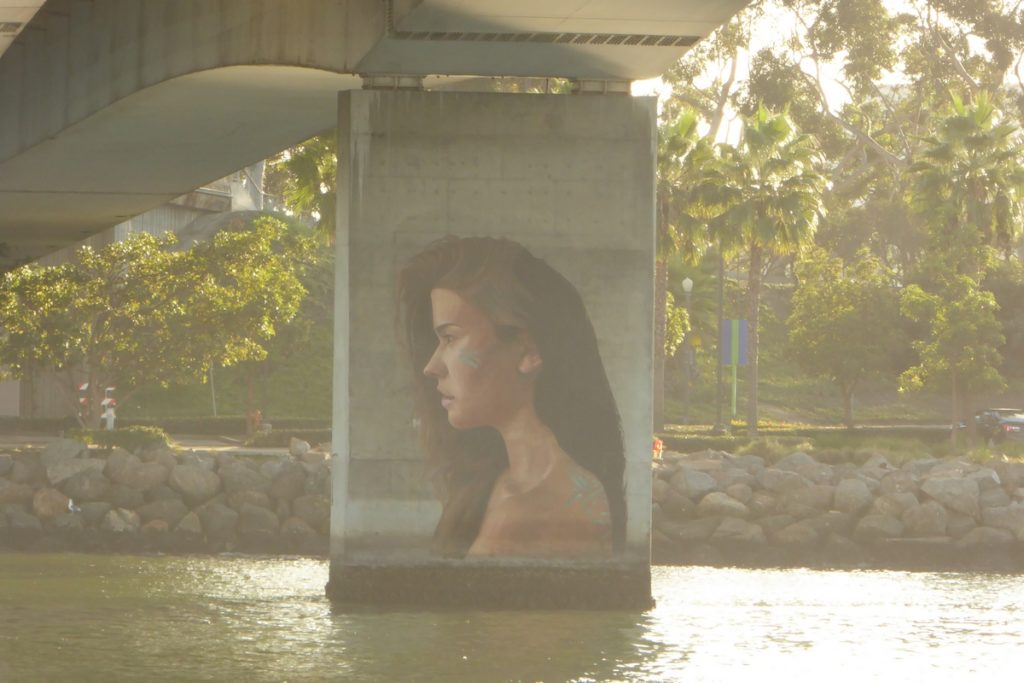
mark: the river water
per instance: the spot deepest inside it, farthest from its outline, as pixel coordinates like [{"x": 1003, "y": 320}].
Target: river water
[{"x": 94, "y": 617}]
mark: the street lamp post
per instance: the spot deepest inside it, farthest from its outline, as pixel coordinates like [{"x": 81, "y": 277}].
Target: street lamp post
[{"x": 687, "y": 356}]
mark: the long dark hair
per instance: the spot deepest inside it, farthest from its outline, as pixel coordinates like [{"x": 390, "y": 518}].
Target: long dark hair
[{"x": 513, "y": 288}]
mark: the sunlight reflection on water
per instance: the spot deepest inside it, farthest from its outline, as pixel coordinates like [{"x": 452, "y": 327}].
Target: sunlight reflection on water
[{"x": 225, "y": 618}]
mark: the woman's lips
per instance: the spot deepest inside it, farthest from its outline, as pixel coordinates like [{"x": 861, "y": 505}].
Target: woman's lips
[{"x": 446, "y": 401}]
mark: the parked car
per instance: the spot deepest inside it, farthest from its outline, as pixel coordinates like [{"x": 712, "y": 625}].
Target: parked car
[{"x": 996, "y": 424}]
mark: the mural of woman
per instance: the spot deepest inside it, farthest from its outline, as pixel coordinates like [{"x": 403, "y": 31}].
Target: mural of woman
[{"x": 516, "y": 415}]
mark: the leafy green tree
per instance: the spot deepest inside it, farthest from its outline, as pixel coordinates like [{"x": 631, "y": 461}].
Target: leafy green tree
[
  {"x": 139, "y": 313},
  {"x": 845, "y": 322},
  {"x": 774, "y": 198},
  {"x": 961, "y": 349}
]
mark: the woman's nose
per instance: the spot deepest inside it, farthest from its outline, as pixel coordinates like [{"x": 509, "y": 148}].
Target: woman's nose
[{"x": 434, "y": 367}]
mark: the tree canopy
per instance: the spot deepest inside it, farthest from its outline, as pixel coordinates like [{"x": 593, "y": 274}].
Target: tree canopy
[{"x": 139, "y": 312}]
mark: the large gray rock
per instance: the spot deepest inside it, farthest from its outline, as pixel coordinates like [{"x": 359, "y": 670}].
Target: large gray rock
[
  {"x": 48, "y": 503},
  {"x": 721, "y": 504},
  {"x": 6, "y": 464},
  {"x": 239, "y": 499},
  {"x": 121, "y": 496},
  {"x": 802, "y": 533},
  {"x": 315, "y": 510},
  {"x": 994, "y": 498},
  {"x": 676, "y": 505},
  {"x": 18, "y": 518},
  {"x": 925, "y": 519},
  {"x": 239, "y": 477},
  {"x": 190, "y": 525},
  {"x": 832, "y": 521},
  {"x": 952, "y": 467},
  {"x": 795, "y": 461},
  {"x": 162, "y": 492},
  {"x": 898, "y": 482},
  {"x": 94, "y": 512},
  {"x": 763, "y": 503},
  {"x": 692, "y": 483},
  {"x": 289, "y": 482},
  {"x": 253, "y": 519},
  {"x": 741, "y": 492},
  {"x": 65, "y": 469},
  {"x": 730, "y": 476},
  {"x": 781, "y": 481},
  {"x": 1010, "y": 473},
  {"x": 920, "y": 467},
  {"x": 68, "y": 521},
  {"x": 958, "y": 524},
  {"x": 61, "y": 450},
  {"x": 219, "y": 521},
  {"x": 195, "y": 483},
  {"x": 957, "y": 494},
  {"x": 28, "y": 470},
  {"x": 142, "y": 477},
  {"x": 121, "y": 521},
  {"x": 691, "y": 531},
  {"x": 818, "y": 497},
  {"x": 118, "y": 459},
  {"x": 293, "y": 526},
  {"x": 167, "y": 510},
  {"x": 12, "y": 492},
  {"x": 297, "y": 447},
  {"x": 873, "y": 527},
  {"x": 659, "y": 489},
  {"x": 985, "y": 536},
  {"x": 87, "y": 486},
  {"x": 877, "y": 467},
  {"x": 773, "y": 523},
  {"x": 751, "y": 463},
  {"x": 318, "y": 478},
  {"x": 160, "y": 454},
  {"x": 1009, "y": 517},
  {"x": 735, "y": 530},
  {"x": 852, "y": 496},
  {"x": 893, "y": 505},
  {"x": 986, "y": 477}
]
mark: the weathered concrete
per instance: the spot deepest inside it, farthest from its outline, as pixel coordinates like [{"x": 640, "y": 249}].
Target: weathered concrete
[{"x": 571, "y": 178}]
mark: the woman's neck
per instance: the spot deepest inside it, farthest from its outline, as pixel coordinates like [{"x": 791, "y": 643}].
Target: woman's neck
[{"x": 532, "y": 450}]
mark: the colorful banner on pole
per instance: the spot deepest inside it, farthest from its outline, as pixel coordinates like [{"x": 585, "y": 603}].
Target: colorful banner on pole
[{"x": 732, "y": 342}]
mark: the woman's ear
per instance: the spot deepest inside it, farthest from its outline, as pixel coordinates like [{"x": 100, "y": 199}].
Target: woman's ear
[{"x": 531, "y": 362}]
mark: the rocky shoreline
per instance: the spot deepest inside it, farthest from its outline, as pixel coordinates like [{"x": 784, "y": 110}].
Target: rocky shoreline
[
  {"x": 69, "y": 497},
  {"x": 710, "y": 507},
  {"x": 717, "y": 508}
]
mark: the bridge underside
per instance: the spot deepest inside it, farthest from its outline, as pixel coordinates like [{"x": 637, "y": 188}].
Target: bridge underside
[{"x": 112, "y": 107}]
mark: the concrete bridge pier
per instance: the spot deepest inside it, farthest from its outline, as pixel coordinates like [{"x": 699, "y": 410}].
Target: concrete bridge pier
[{"x": 572, "y": 179}]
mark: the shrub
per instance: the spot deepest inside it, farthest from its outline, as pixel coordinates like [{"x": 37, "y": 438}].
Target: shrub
[{"x": 129, "y": 438}]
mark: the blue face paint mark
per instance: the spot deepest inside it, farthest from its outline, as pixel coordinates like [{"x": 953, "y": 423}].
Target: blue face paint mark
[{"x": 470, "y": 358}]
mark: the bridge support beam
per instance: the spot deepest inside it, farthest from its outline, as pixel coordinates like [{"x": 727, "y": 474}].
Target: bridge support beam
[{"x": 572, "y": 179}]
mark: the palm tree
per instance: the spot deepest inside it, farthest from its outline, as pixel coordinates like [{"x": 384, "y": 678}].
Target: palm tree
[
  {"x": 685, "y": 202},
  {"x": 774, "y": 198},
  {"x": 307, "y": 174},
  {"x": 968, "y": 185}
]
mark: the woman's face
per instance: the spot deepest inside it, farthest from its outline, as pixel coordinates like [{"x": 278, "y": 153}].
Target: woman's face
[{"x": 482, "y": 380}]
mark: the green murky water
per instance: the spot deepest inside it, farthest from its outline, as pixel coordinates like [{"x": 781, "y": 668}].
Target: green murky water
[{"x": 90, "y": 617}]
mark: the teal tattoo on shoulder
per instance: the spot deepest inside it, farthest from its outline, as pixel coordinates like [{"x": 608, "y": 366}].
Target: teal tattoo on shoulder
[{"x": 588, "y": 494}]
